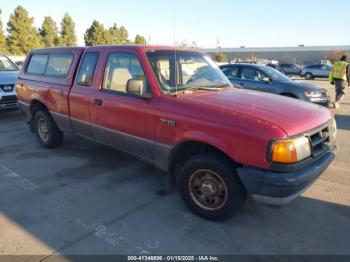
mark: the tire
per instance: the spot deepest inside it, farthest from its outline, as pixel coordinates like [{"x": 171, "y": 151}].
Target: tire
[
  {"x": 209, "y": 177},
  {"x": 309, "y": 76},
  {"x": 46, "y": 130}
]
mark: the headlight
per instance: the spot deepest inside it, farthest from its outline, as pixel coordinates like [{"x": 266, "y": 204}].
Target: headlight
[
  {"x": 290, "y": 150},
  {"x": 313, "y": 93}
]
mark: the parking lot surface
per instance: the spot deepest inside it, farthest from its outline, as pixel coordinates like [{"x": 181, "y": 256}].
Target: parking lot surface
[{"x": 84, "y": 198}]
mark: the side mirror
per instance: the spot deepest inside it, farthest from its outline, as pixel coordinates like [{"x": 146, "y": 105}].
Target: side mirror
[
  {"x": 136, "y": 87},
  {"x": 265, "y": 80}
]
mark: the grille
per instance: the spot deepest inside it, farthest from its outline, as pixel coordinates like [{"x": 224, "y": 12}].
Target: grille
[
  {"x": 323, "y": 139},
  {"x": 8, "y": 99},
  {"x": 7, "y": 88}
]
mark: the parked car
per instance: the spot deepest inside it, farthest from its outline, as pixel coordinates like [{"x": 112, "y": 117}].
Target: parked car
[
  {"x": 317, "y": 70},
  {"x": 291, "y": 69},
  {"x": 277, "y": 67},
  {"x": 266, "y": 79},
  {"x": 8, "y": 76},
  {"x": 18, "y": 60},
  {"x": 178, "y": 112}
]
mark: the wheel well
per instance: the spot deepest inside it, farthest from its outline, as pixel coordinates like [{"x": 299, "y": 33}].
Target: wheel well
[
  {"x": 35, "y": 106},
  {"x": 183, "y": 151}
]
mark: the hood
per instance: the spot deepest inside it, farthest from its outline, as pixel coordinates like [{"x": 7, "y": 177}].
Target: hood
[
  {"x": 305, "y": 86},
  {"x": 8, "y": 77},
  {"x": 291, "y": 115}
]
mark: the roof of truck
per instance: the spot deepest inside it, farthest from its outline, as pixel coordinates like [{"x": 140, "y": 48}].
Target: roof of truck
[{"x": 139, "y": 47}]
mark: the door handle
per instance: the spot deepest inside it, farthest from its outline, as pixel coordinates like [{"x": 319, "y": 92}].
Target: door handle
[{"x": 98, "y": 102}]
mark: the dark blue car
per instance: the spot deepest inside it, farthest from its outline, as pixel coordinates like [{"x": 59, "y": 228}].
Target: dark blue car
[{"x": 266, "y": 79}]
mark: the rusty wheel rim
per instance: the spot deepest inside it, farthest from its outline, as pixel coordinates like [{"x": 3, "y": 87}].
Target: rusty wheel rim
[
  {"x": 207, "y": 189},
  {"x": 43, "y": 129}
]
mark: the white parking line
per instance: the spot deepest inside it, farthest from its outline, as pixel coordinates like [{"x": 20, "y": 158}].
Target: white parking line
[
  {"x": 116, "y": 240},
  {"x": 20, "y": 181}
]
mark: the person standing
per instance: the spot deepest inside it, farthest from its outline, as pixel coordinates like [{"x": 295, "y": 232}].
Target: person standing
[{"x": 338, "y": 76}]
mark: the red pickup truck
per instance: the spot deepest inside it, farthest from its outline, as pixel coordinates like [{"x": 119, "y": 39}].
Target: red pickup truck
[{"x": 174, "y": 109}]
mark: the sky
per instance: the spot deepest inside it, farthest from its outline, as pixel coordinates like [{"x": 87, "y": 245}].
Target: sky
[{"x": 249, "y": 23}]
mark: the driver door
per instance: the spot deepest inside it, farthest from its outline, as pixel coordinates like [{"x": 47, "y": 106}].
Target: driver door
[{"x": 120, "y": 119}]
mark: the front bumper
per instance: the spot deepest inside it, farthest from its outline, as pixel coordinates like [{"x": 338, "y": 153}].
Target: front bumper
[
  {"x": 8, "y": 100},
  {"x": 279, "y": 188}
]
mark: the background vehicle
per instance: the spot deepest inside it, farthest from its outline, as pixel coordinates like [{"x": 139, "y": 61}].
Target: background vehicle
[
  {"x": 277, "y": 67},
  {"x": 316, "y": 70},
  {"x": 8, "y": 76},
  {"x": 291, "y": 69},
  {"x": 178, "y": 112},
  {"x": 266, "y": 79},
  {"x": 18, "y": 60}
]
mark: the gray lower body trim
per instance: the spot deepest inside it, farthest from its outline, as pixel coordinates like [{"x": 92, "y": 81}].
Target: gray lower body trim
[
  {"x": 82, "y": 128},
  {"x": 25, "y": 108},
  {"x": 278, "y": 201},
  {"x": 62, "y": 121},
  {"x": 147, "y": 150}
]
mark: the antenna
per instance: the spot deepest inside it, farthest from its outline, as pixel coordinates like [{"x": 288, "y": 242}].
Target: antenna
[{"x": 174, "y": 35}]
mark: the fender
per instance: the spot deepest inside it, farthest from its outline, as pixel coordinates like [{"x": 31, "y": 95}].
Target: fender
[{"x": 217, "y": 142}]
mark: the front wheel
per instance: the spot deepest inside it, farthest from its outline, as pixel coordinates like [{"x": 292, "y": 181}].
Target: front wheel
[
  {"x": 309, "y": 76},
  {"x": 46, "y": 130},
  {"x": 210, "y": 187}
]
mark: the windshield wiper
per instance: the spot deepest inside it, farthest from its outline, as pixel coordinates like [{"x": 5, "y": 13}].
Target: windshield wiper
[
  {"x": 195, "y": 88},
  {"x": 209, "y": 88}
]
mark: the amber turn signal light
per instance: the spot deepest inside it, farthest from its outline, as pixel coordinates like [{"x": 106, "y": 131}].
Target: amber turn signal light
[
  {"x": 290, "y": 150},
  {"x": 284, "y": 152}
]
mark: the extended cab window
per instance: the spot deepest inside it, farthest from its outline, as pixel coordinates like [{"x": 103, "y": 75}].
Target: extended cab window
[
  {"x": 59, "y": 64},
  {"x": 87, "y": 69},
  {"x": 120, "y": 68},
  {"x": 37, "y": 64}
]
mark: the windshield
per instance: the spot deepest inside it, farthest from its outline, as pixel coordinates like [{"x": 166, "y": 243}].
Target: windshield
[
  {"x": 192, "y": 70},
  {"x": 274, "y": 74},
  {"x": 6, "y": 64}
]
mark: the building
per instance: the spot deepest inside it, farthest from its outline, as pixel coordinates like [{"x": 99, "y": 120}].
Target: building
[{"x": 300, "y": 55}]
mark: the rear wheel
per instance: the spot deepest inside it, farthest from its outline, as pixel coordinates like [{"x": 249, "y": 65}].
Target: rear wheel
[
  {"x": 46, "y": 130},
  {"x": 309, "y": 76},
  {"x": 210, "y": 187}
]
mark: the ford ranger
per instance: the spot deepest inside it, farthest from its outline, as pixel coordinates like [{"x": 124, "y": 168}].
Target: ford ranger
[{"x": 176, "y": 110}]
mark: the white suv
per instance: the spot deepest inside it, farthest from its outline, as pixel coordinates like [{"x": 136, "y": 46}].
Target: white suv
[{"x": 8, "y": 77}]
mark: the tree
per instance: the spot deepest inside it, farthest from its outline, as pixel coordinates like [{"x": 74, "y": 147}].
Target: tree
[
  {"x": 2, "y": 36},
  {"x": 49, "y": 32},
  {"x": 68, "y": 36},
  {"x": 97, "y": 35},
  {"x": 185, "y": 44},
  {"x": 221, "y": 58},
  {"x": 119, "y": 35},
  {"x": 336, "y": 55},
  {"x": 140, "y": 40},
  {"x": 22, "y": 35}
]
